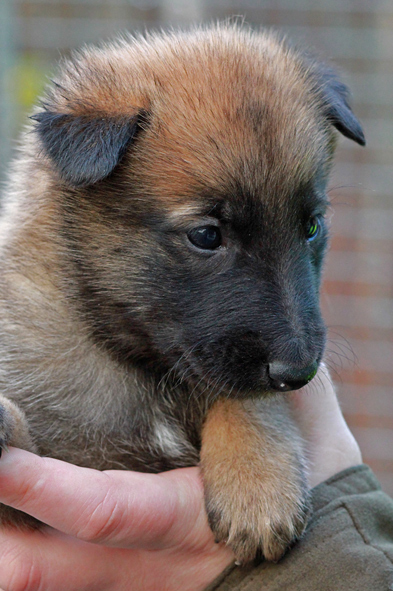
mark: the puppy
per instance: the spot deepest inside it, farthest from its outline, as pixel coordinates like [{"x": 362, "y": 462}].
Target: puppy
[{"x": 162, "y": 239}]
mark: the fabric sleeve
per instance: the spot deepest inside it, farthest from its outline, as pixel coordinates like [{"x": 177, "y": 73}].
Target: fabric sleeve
[{"x": 348, "y": 544}]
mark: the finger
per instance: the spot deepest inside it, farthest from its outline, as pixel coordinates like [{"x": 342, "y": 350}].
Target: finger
[
  {"x": 317, "y": 409},
  {"x": 316, "y": 404},
  {"x": 50, "y": 561},
  {"x": 119, "y": 508},
  {"x": 331, "y": 447}
]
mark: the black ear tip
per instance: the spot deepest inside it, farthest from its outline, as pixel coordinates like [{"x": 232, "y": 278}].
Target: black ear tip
[
  {"x": 341, "y": 116},
  {"x": 361, "y": 140},
  {"x": 351, "y": 129},
  {"x": 335, "y": 96}
]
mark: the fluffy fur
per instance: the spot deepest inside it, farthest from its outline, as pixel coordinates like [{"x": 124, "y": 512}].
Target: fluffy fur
[{"x": 126, "y": 344}]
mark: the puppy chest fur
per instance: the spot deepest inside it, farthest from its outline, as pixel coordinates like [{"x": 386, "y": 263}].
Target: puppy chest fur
[{"x": 161, "y": 247}]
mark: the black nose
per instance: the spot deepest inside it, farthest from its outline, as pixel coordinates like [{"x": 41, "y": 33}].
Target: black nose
[{"x": 285, "y": 377}]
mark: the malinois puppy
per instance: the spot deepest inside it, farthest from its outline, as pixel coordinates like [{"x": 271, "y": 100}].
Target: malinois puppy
[{"x": 161, "y": 248}]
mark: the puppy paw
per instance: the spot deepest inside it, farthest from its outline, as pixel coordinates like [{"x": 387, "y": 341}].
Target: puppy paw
[
  {"x": 14, "y": 431},
  {"x": 255, "y": 518},
  {"x": 255, "y": 488},
  {"x": 7, "y": 425}
]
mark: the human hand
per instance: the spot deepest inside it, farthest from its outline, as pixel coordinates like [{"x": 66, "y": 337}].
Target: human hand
[
  {"x": 114, "y": 530},
  {"x": 149, "y": 531},
  {"x": 330, "y": 445}
]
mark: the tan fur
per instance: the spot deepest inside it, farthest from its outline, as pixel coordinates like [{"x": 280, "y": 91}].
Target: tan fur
[
  {"x": 250, "y": 504},
  {"x": 205, "y": 95}
]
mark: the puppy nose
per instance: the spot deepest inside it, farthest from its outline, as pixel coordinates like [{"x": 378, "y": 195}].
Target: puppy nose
[{"x": 285, "y": 377}]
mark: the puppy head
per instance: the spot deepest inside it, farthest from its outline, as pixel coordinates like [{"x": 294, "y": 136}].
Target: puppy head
[{"x": 190, "y": 170}]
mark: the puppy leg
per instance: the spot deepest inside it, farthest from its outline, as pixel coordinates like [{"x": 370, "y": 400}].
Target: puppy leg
[
  {"x": 14, "y": 431},
  {"x": 255, "y": 486},
  {"x": 13, "y": 426}
]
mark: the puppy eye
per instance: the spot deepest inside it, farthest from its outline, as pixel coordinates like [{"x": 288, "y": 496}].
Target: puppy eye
[
  {"x": 313, "y": 228},
  {"x": 206, "y": 237}
]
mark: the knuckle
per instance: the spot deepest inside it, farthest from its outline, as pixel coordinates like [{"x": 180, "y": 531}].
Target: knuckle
[
  {"x": 22, "y": 571},
  {"x": 104, "y": 522},
  {"x": 29, "y": 492}
]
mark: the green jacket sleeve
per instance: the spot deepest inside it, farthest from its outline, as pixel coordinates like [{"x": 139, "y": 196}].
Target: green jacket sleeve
[{"x": 348, "y": 544}]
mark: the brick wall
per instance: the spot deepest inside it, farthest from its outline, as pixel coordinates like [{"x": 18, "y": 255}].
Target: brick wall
[{"x": 358, "y": 288}]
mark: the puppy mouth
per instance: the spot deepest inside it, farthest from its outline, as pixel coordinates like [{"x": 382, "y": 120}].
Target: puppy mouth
[
  {"x": 245, "y": 379},
  {"x": 246, "y": 369}
]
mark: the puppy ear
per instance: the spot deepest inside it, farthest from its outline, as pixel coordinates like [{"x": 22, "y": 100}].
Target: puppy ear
[
  {"x": 335, "y": 96},
  {"x": 85, "y": 148}
]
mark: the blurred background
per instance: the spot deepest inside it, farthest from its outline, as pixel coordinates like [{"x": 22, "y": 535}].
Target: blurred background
[{"x": 357, "y": 35}]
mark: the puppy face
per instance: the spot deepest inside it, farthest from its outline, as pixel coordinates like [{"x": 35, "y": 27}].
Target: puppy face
[{"x": 190, "y": 177}]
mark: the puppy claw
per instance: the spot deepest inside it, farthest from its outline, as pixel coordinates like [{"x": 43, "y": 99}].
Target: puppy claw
[
  {"x": 6, "y": 428},
  {"x": 251, "y": 532},
  {"x": 3, "y": 447}
]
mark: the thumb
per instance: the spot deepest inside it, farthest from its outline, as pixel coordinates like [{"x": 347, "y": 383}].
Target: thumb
[{"x": 330, "y": 445}]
